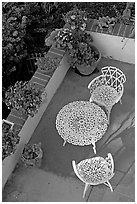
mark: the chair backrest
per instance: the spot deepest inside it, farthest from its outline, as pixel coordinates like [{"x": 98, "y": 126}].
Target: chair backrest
[{"x": 114, "y": 76}]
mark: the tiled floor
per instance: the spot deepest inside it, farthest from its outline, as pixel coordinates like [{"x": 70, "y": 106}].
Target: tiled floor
[{"x": 55, "y": 180}]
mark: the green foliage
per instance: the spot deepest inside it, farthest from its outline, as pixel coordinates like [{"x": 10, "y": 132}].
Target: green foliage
[
  {"x": 10, "y": 140},
  {"x": 82, "y": 51},
  {"x": 76, "y": 19},
  {"x": 24, "y": 97},
  {"x": 31, "y": 151},
  {"x": 13, "y": 31},
  {"x": 47, "y": 63}
]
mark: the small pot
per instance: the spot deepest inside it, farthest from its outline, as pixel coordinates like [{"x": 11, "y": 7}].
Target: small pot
[
  {"x": 33, "y": 162},
  {"x": 85, "y": 69}
]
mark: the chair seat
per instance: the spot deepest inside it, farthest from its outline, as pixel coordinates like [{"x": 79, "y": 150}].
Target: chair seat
[
  {"x": 105, "y": 95},
  {"x": 94, "y": 171}
]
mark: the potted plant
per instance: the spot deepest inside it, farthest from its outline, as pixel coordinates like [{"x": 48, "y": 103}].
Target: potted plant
[
  {"x": 84, "y": 55},
  {"x": 76, "y": 19},
  {"x": 32, "y": 154},
  {"x": 61, "y": 38},
  {"x": 106, "y": 22},
  {"x": 47, "y": 63},
  {"x": 24, "y": 97},
  {"x": 10, "y": 140},
  {"x": 6, "y": 125}
]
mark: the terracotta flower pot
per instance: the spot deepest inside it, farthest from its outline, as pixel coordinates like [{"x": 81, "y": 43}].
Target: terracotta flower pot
[
  {"x": 85, "y": 69},
  {"x": 35, "y": 161}
]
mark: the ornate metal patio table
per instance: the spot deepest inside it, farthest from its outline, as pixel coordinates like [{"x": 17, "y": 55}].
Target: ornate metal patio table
[{"x": 81, "y": 123}]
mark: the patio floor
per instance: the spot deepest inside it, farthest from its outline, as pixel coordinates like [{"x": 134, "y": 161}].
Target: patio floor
[{"x": 55, "y": 181}]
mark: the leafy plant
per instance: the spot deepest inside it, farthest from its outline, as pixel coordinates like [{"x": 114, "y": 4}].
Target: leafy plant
[
  {"x": 77, "y": 19},
  {"x": 24, "y": 97},
  {"x": 84, "y": 53},
  {"x": 47, "y": 63},
  {"x": 62, "y": 38},
  {"x": 31, "y": 151},
  {"x": 10, "y": 140},
  {"x": 81, "y": 50}
]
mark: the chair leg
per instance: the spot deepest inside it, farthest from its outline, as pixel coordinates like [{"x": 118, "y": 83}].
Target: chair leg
[
  {"x": 85, "y": 189},
  {"x": 94, "y": 148},
  {"x": 64, "y": 143},
  {"x": 107, "y": 183},
  {"x": 120, "y": 101}
]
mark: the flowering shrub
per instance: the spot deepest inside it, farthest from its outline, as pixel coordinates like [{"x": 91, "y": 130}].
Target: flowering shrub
[
  {"x": 62, "y": 37},
  {"x": 77, "y": 19},
  {"x": 47, "y": 63},
  {"x": 24, "y": 97},
  {"x": 10, "y": 140}
]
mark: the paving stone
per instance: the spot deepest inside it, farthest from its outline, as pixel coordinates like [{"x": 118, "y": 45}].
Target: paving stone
[
  {"x": 58, "y": 50},
  {"x": 42, "y": 76},
  {"x": 54, "y": 54},
  {"x": 115, "y": 145},
  {"x": 39, "y": 81},
  {"x": 127, "y": 185},
  {"x": 48, "y": 75},
  {"x": 115, "y": 197},
  {"x": 101, "y": 193},
  {"x": 116, "y": 178},
  {"x": 97, "y": 193},
  {"x": 124, "y": 159}
]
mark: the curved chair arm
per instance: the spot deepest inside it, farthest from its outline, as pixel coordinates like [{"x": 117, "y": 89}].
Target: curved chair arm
[
  {"x": 75, "y": 170},
  {"x": 99, "y": 80}
]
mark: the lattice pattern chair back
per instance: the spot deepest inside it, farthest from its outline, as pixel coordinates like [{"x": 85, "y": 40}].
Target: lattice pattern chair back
[
  {"x": 114, "y": 76},
  {"x": 107, "y": 89},
  {"x": 94, "y": 171}
]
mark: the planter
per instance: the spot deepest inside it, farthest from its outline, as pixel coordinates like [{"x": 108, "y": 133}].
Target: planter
[
  {"x": 36, "y": 161},
  {"x": 85, "y": 69},
  {"x": 47, "y": 64}
]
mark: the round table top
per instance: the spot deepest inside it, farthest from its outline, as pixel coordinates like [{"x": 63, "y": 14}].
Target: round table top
[{"x": 81, "y": 123}]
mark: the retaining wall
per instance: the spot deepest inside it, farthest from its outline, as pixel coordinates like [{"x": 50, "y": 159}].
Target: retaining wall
[{"x": 115, "y": 47}]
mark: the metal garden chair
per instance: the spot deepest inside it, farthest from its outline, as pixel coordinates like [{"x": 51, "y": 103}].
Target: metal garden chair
[
  {"x": 107, "y": 89},
  {"x": 94, "y": 171}
]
